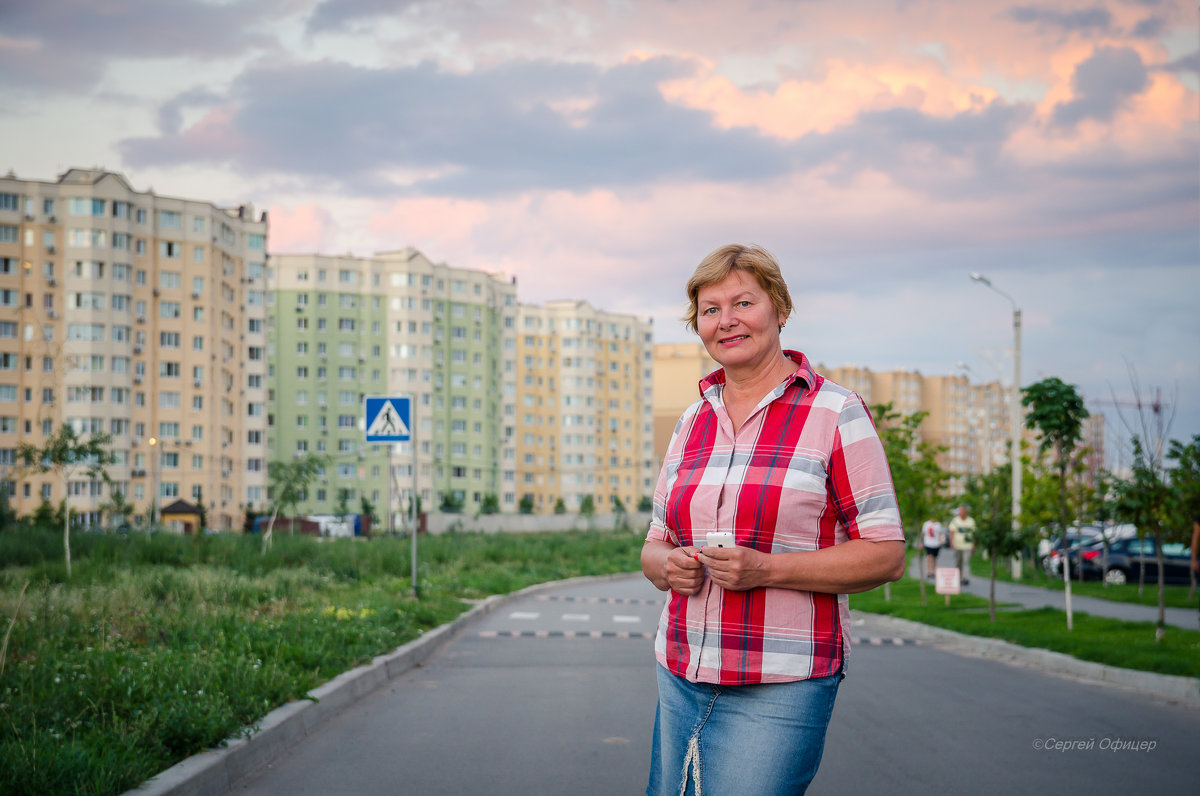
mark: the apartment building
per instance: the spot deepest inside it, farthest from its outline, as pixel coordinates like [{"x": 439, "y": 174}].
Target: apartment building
[
  {"x": 344, "y": 328},
  {"x": 142, "y": 316},
  {"x": 678, "y": 369},
  {"x": 584, "y": 407}
]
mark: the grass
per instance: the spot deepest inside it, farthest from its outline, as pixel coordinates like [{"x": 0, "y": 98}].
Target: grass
[
  {"x": 1113, "y": 642},
  {"x": 160, "y": 647},
  {"x": 1174, "y": 596}
]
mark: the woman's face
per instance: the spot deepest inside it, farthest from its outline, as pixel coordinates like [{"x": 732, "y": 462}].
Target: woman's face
[{"x": 737, "y": 322}]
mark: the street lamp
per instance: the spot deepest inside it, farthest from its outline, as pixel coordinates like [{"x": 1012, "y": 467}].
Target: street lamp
[
  {"x": 1015, "y": 409},
  {"x": 154, "y": 478}
]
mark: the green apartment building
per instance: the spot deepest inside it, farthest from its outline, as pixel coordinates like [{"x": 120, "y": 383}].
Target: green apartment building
[{"x": 344, "y": 328}]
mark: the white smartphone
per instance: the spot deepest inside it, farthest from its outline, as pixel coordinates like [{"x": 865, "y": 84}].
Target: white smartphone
[{"x": 720, "y": 539}]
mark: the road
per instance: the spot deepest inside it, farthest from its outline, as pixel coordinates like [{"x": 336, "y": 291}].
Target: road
[{"x": 554, "y": 694}]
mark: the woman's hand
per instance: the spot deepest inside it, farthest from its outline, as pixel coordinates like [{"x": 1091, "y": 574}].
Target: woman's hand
[
  {"x": 735, "y": 568},
  {"x": 685, "y": 573},
  {"x": 671, "y": 567}
]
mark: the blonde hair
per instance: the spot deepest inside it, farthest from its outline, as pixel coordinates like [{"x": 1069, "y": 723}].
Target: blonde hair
[{"x": 754, "y": 260}]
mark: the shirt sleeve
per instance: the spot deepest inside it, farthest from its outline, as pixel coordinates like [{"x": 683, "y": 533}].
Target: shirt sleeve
[
  {"x": 658, "y": 531},
  {"x": 860, "y": 479}
]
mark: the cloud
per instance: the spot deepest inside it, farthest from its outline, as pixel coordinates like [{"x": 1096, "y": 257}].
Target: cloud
[
  {"x": 334, "y": 15},
  {"x": 1082, "y": 20},
  {"x": 1102, "y": 84},
  {"x": 304, "y": 228},
  {"x": 424, "y": 130},
  {"x": 66, "y": 44}
]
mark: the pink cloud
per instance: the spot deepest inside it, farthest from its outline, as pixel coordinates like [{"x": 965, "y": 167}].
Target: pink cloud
[{"x": 302, "y": 229}]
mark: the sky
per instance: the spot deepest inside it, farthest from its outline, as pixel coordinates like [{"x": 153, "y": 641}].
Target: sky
[{"x": 599, "y": 149}]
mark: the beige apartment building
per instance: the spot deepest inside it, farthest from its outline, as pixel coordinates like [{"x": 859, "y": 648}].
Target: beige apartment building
[
  {"x": 141, "y": 316},
  {"x": 584, "y": 398},
  {"x": 678, "y": 369}
]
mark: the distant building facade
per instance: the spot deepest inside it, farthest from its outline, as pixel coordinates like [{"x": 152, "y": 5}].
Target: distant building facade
[
  {"x": 396, "y": 323},
  {"x": 144, "y": 317},
  {"x": 584, "y": 398}
]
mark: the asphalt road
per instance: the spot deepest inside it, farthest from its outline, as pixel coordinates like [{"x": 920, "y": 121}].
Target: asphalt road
[{"x": 555, "y": 694}]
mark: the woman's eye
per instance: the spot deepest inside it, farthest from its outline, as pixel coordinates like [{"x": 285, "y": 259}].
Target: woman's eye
[
  {"x": 710, "y": 310},
  {"x": 743, "y": 303}
]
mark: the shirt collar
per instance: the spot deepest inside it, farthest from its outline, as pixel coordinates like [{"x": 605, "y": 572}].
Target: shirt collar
[{"x": 804, "y": 373}]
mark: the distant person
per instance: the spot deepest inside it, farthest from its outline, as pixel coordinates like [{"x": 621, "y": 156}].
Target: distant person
[
  {"x": 933, "y": 535},
  {"x": 753, "y": 642},
  {"x": 962, "y": 542}
]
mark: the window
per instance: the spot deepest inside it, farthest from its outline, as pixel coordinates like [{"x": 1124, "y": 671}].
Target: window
[
  {"x": 167, "y": 248},
  {"x": 169, "y": 219}
]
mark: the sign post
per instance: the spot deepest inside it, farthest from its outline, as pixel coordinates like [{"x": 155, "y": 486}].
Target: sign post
[
  {"x": 389, "y": 419},
  {"x": 947, "y": 582}
]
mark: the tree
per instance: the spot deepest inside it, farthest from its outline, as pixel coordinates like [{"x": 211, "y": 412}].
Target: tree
[
  {"x": 8, "y": 517},
  {"x": 289, "y": 482},
  {"x": 367, "y": 509},
  {"x": 919, "y": 480},
  {"x": 490, "y": 504},
  {"x": 645, "y": 504},
  {"x": 66, "y": 453},
  {"x": 452, "y": 503},
  {"x": 1144, "y": 498},
  {"x": 525, "y": 505},
  {"x": 117, "y": 508},
  {"x": 1185, "y": 489},
  {"x": 1056, "y": 411},
  {"x": 200, "y": 508},
  {"x": 559, "y": 506},
  {"x": 587, "y": 506},
  {"x": 990, "y": 499}
]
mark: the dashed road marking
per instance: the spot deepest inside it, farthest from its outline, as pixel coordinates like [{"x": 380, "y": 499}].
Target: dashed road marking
[
  {"x": 626, "y": 620},
  {"x": 576, "y": 617},
  {"x": 563, "y": 634},
  {"x": 524, "y": 615}
]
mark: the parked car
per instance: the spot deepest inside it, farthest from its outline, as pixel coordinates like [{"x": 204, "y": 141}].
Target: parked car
[
  {"x": 1125, "y": 556},
  {"x": 1050, "y": 549}
]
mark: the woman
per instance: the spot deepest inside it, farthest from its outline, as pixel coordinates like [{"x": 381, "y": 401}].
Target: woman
[{"x": 752, "y": 642}]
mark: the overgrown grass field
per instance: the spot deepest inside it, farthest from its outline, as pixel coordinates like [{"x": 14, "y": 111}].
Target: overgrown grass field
[{"x": 161, "y": 646}]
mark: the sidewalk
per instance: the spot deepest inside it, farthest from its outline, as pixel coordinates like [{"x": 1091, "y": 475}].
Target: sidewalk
[{"x": 1034, "y": 597}]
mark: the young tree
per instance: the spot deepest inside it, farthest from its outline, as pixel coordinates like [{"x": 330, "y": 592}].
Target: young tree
[
  {"x": 1144, "y": 498},
  {"x": 990, "y": 499},
  {"x": 919, "y": 480},
  {"x": 1185, "y": 491},
  {"x": 8, "y": 517},
  {"x": 587, "y": 506},
  {"x": 367, "y": 509},
  {"x": 1056, "y": 411},
  {"x": 525, "y": 505},
  {"x": 289, "y": 482},
  {"x": 490, "y": 504},
  {"x": 66, "y": 453}
]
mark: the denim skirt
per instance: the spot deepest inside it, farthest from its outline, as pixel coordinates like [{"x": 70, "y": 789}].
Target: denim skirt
[{"x": 738, "y": 740}]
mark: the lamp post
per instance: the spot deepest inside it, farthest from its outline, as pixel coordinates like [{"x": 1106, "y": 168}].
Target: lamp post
[
  {"x": 1015, "y": 409},
  {"x": 153, "y": 441}
]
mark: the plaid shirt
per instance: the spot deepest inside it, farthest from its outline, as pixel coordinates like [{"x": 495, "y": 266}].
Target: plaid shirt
[{"x": 805, "y": 471}]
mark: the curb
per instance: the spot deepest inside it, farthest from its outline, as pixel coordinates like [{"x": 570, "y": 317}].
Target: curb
[
  {"x": 1185, "y": 690},
  {"x": 216, "y": 771}
]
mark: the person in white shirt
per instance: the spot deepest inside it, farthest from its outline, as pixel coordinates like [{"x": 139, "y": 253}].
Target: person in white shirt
[{"x": 932, "y": 534}]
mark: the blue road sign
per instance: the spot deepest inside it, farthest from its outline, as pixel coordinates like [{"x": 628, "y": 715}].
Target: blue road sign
[{"x": 389, "y": 419}]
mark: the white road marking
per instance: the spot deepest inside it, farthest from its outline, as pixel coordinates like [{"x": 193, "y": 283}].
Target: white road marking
[
  {"x": 524, "y": 615},
  {"x": 626, "y": 620},
  {"x": 576, "y": 617}
]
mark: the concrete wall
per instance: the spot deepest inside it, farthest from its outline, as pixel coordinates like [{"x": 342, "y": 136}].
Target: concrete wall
[{"x": 530, "y": 523}]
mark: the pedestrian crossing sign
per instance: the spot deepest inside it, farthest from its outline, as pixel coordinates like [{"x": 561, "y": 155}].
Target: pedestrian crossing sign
[{"x": 389, "y": 419}]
